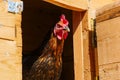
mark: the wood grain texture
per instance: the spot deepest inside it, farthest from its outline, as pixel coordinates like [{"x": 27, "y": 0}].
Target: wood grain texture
[
  {"x": 108, "y": 12},
  {"x": 7, "y": 47},
  {"x": 18, "y": 35},
  {"x": 86, "y": 42},
  {"x": 7, "y": 33},
  {"x": 105, "y": 8},
  {"x": 10, "y": 61},
  {"x": 18, "y": 30},
  {"x": 7, "y": 19},
  {"x": 97, "y": 4},
  {"x": 78, "y": 5},
  {"x": 108, "y": 37},
  {"x": 78, "y": 46},
  {"x": 10, "y": 67},
  {"x": 10, "y": 54}
]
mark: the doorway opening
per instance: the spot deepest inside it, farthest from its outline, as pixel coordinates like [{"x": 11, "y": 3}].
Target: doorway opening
[{"x": 38, "y": 18}]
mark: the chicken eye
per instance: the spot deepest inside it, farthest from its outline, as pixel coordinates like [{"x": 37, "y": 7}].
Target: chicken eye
[{"x": 59, "y": 26}]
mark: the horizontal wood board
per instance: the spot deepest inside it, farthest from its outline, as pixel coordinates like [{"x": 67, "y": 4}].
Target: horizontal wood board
[{"x": 108, "y": 38}]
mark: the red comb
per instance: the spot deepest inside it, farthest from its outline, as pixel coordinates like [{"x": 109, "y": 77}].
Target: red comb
[{"x": 62, "y": 18}]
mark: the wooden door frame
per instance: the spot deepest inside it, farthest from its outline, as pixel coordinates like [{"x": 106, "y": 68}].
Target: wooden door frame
[
  {"x": 78, "y": 46},
  {"x": 72, "y": 5},
  {"x": 77, "y": 16}
]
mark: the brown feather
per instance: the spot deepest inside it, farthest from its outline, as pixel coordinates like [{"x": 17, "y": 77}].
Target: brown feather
[{"x": 49, "y": 64}]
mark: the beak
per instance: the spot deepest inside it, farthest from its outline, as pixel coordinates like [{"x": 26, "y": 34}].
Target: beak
[{"x": 67, "y": 28}]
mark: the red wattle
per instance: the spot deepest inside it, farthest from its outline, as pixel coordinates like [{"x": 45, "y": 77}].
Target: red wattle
[
  {"x": 61, "y": 34},
  {"x": 65, "y": 35}
]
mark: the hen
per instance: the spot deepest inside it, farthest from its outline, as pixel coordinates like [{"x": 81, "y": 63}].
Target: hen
[{"x": 49, "y": 65}]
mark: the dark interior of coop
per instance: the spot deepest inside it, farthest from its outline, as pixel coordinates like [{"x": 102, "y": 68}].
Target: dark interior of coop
[{"x": 38, "y": 19}]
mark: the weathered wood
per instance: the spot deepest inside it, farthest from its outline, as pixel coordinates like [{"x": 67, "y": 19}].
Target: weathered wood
[
  {"x": 18, "y": 36},
  {"x": 96, "y": 4},
  {"x": 78, "y": 5},
  {"x": 108, "y": 37},
  {"x": 7, "y": 19},
  {"x": 107, "y": 7},
  {"x": 19, "y": 51},
  {"x": 18, "y": 30},
  {"x": 3, "y": 7},
  {"x": 10, "y": 54},
  {"x": 108, "y": 41},
  {"x": 10, "y": 61},
  {"x": 110, "y": 71},
  {"x": 86, "y": 42},
  {"x": 78, "y": 46},
  {"x": 108, "y": 28},
  {"x": 7, "y": 33},
  {"x": 10, "y": 67},
  {"x": 108, "y": 12},
  {"x": 18, "y": 19},
  {"x": 7, "y": 47}
]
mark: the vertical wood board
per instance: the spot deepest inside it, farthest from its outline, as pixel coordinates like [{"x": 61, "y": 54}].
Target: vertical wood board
[{"x": 78, "y": 46}]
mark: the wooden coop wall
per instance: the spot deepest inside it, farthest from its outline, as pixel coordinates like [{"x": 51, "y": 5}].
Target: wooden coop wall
[
  {"x": 108, "y": 38},
  {"x": 10, "y": 44}
]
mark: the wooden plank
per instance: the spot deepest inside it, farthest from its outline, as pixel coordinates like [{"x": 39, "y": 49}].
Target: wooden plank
[
  {"x": 110, "y": 71},
  {"x": 3, "y": 7},
  {"x": 109, "y": 51},
  {"x": 10, "y": 54},
  {"x": 107, "y": 7},
  {"x": 10, "y": 61},
  {"x": 78, "y": 46},
  {"x": 19, "y": 52},
  {"x": 18, "y": 19},
  {"x": 7, "y": 47},
  {"x": 108, "y": 12},
  {"x": 78, "y": 5},
  {"x": 96, "y": 4},
  {"x": 18, "y": 30},
  {"x": 108, "y": 37},
  {"x": 18, "y": 36},
  {"x": 7, "y": 19},
  {"x": 7, "y": 33},
  {"x": 86, "y": 42},
  {"x": 10, "y": 67},
  {"x": 108, "y": 28}
]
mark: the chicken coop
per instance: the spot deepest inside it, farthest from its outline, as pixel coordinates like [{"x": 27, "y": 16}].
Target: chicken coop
[{"x": 22, "y": 34}]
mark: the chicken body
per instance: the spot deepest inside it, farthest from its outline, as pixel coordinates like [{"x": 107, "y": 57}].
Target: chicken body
[{"x": 49, "y": 64}]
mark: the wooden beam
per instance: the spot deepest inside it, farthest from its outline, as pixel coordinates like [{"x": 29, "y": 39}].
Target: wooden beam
[
  {"x": 108, "y": 12},
  {"x": 78, "y": 5},
  {"x": 78, "y": 46}
]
